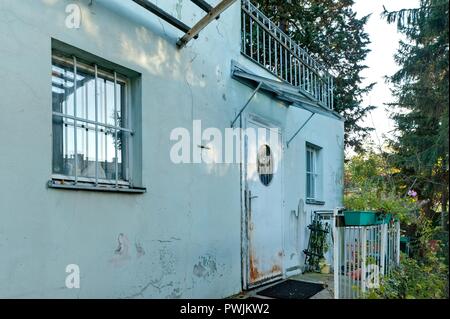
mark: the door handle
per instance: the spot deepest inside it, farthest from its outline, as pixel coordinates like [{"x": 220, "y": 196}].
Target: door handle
[{"x": 250, "y": 197}]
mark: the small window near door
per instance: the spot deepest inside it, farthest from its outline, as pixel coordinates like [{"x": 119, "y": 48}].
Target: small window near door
[
  {"x": 265, "y": 164},
  {"x": 313, "y": 174}
]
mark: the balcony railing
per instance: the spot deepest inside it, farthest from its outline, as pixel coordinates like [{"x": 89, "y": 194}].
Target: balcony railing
[{"x": 267, "y": 45}]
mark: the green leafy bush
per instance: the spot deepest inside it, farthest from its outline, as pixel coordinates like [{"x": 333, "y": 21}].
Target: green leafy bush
[{"x": 426, "y": 279}]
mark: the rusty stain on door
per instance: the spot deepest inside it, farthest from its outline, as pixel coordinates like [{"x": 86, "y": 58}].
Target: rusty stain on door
[{"x": 264, "y": 207}]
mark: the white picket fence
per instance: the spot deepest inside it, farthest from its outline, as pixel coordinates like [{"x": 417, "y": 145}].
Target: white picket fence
[{"x": 362, "y": 255}]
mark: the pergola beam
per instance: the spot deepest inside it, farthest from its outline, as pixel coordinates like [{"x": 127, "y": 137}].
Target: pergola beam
[
  {"x": 163, "y": 15},
  {"x": 202, "y": 4},
  {"x": 205, "y": 6},
  {"x": 199, "y": 26}
]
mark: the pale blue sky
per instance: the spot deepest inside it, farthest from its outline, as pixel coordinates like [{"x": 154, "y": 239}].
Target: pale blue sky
[{"x": 380, "y": 60}]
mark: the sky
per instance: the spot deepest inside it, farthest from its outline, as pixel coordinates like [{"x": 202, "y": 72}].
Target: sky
[{"x": 380, "y": 61}]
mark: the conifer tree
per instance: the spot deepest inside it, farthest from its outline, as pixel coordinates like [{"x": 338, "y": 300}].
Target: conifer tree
[{"x": 420, "y": 112}]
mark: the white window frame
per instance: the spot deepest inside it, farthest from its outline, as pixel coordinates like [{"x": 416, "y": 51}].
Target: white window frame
[{"x": 99, "y": 127}]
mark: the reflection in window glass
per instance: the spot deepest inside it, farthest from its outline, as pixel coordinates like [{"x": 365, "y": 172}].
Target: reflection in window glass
[
  {"x": 265, "y": 164},
  {"x": 90, "y": 136}
]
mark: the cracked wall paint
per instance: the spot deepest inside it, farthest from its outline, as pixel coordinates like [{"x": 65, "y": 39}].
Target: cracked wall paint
[
  {"x": 206, "y": 267},
  {"x": 178, "y": 9}
]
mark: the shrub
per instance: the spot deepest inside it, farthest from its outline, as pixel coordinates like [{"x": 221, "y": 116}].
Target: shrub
[{"x": 426, "y": 279}]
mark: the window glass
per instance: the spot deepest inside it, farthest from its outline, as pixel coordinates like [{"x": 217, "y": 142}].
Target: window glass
[
  {"x": 265, "y": 164},
  {"x": 89, "y": 133},
  {"x": 311, "y": 173}
]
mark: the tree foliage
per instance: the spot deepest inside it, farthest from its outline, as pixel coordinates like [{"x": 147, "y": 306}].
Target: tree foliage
[
  {"x": 421, "y": 88},
  {"x": 332, "y": 33}
]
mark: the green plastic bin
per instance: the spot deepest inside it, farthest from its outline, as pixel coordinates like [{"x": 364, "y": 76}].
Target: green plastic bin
[{"x": 360, "y": 218}]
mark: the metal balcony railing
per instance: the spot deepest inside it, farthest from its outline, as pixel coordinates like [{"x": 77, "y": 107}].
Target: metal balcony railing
[{"x": 267, "y": 45}]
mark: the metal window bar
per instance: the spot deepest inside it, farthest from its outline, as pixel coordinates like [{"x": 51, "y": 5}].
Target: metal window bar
[
  {"x": 65, "y": 110},
  {"x": 106, "y": 120},
  {"x": 56, "y": 56},
  {"x": 86, "y": 134},
  {"x": 116, "y": 158},
  {"x": 75, "y": 120},
  {"x": 96, "y": 124},
  {"x": 79, "y": 119}
]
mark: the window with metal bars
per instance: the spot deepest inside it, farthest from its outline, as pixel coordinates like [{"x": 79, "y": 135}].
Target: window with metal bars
[{"x": 91, "y": 126}]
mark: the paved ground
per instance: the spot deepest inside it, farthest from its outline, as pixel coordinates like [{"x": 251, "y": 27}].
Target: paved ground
[{"x": 326, "y": 279}]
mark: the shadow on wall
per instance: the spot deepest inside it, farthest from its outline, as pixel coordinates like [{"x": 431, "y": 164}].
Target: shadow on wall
[{"x": 153, "y": 51}]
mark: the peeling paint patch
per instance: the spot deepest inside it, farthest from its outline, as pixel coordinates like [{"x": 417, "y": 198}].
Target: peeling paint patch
[
  {"x": 122, "y": 248},
  {"x": 167, "y": 261},
  {"x": 206, "y": 267},
  {"x": 275, "y": 269},
  {"x": 175, "y": 294},
  {"x": 139, "y": 249},
  {"x": 122, "y": 251}
]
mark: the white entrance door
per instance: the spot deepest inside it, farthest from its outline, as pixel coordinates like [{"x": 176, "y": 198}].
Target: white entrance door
[{"x": 264, "y": 206}]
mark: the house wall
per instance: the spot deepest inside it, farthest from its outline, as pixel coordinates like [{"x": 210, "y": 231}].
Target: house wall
[{"x": 182, "y": 238}]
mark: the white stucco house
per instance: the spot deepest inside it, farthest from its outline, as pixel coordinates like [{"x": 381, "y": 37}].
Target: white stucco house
[{"x": 96, "y": 169}]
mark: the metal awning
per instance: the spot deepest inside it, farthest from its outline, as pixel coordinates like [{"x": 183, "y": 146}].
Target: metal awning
[{"x": 287, "y": 93}]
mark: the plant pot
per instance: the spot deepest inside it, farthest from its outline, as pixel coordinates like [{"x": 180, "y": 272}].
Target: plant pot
[
  {"x": 360, "y": 218},
  {"x": 325, "y": 269}
]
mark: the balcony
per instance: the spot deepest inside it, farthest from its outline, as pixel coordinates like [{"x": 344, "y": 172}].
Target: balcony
[{"x": 265, "y": 44}]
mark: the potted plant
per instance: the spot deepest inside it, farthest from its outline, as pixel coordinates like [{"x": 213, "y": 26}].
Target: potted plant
[
  {"x": 325, "y": 268},
  {"x": 370, "y": 208}
]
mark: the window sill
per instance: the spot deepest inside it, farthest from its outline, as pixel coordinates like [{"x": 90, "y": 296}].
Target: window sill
[
  {"x": 315, "y": 202},
  {"x": 93, "y": 188}
]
